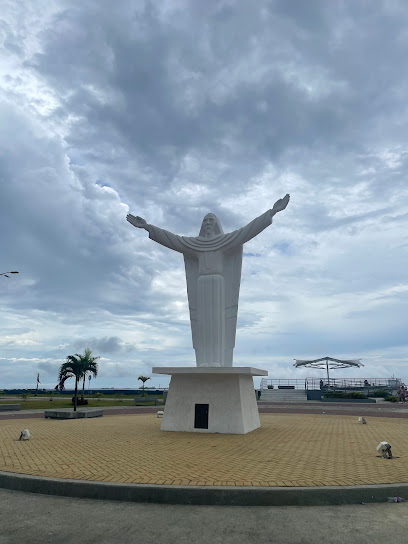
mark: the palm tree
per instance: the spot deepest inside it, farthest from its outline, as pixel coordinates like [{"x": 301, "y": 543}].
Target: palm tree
[
  {"x": 90, "y": 365},
  {"x": 72, "y": 368},
  {"x": 60, "y": 385},
  {"x": 77, "y": 366},
  {"x": 143, "y": 379}
]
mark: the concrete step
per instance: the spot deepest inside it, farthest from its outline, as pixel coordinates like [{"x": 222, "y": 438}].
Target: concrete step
[
  {"x": 284, "y": 399},
  {"x": 283, "y": 395}
]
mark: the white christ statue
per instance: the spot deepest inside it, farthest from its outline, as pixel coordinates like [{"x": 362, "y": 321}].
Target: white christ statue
[{"x": 213, "y": 262}]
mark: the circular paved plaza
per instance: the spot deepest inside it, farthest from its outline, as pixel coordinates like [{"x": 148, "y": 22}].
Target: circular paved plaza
[{"x": 288, "y": 450}]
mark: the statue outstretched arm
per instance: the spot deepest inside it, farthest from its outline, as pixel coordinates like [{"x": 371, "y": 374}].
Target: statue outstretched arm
[
  {"x": 260, "y": 223},
  {"x": 280, "y": 205},
  {"x": 137, "y": 221},
  {"x": 161, "y": 236}
]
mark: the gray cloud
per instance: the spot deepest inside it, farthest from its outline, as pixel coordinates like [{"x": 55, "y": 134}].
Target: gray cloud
[
  {"x": 50, "y": 369},
  {"x": 104, "y": 345},
  {"x": 171, "y": 110}
]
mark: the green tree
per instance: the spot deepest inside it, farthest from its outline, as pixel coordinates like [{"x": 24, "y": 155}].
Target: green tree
[
  {"x": 72, "y": 368},
  {"x": 143, "y": 379},
  {"x": 77, "y": 366},
  {"x": 90, "y": 365}
]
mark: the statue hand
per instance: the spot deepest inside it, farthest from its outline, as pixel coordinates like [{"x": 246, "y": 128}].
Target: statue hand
[
  {"x": 136, "y": 221},
  {"x": 280, "y": 204}
]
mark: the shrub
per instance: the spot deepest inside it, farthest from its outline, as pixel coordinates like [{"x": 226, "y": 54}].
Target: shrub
[
  {"x": 334, "y": 395},
  {"x": 380, "y": 393},
  {"x": 341, "y": 395},
  {"x": 391, "y": 398},
  {"x": 355, "y": 395},
  {"x": 80, "y": 402},
  {"x": 98, "y": 396}
]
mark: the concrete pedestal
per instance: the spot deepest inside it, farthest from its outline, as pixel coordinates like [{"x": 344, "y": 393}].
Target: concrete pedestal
[
  {"x": 211, "y": 399},
  {"x": 70, "y": 414}
]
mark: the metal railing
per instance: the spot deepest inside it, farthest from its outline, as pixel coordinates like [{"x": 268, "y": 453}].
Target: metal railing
[
  {"x": 352, "y": 384},
  {"x": 345, "y": 384},
  {"x": 297, "y": 383}
]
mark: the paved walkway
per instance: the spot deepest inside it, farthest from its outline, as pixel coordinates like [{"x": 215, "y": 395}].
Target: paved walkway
[
  {"x": 290, "y": 449},
  {"x": 37, "y": 519}
]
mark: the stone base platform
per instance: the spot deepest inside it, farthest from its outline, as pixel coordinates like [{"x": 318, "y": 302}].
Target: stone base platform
[
  {"x": 211, "y": 399},
  {"x": 9, "y": 407},
  {"x": 70, "y": 414}
]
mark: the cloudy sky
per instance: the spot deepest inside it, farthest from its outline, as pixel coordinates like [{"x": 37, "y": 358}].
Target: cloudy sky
[{"x": 172, "y": 109}]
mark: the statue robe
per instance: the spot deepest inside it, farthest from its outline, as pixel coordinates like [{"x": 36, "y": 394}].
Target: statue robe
[{"x": 213, "y": 272}]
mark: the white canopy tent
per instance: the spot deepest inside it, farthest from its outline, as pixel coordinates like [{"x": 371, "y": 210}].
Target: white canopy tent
[{"x": 328, "y": 362}]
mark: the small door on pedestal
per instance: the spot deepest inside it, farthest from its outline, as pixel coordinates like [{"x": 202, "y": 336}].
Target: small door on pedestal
[{"x": 201, "y": 416}]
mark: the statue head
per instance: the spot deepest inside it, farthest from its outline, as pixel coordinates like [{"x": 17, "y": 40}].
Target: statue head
[{"x": 210, "y": 226}]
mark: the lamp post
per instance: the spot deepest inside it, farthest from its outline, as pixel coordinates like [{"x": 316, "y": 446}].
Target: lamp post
[{"x": 6, "y": 274}]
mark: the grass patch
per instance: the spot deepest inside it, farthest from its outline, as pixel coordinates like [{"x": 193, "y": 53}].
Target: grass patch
[
  {"x": 65, "y": 403},
  {"x": 120, "y": 395}
]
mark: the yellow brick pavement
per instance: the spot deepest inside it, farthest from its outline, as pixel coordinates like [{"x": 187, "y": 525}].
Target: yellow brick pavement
[{"x": 288, "y": 450}]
